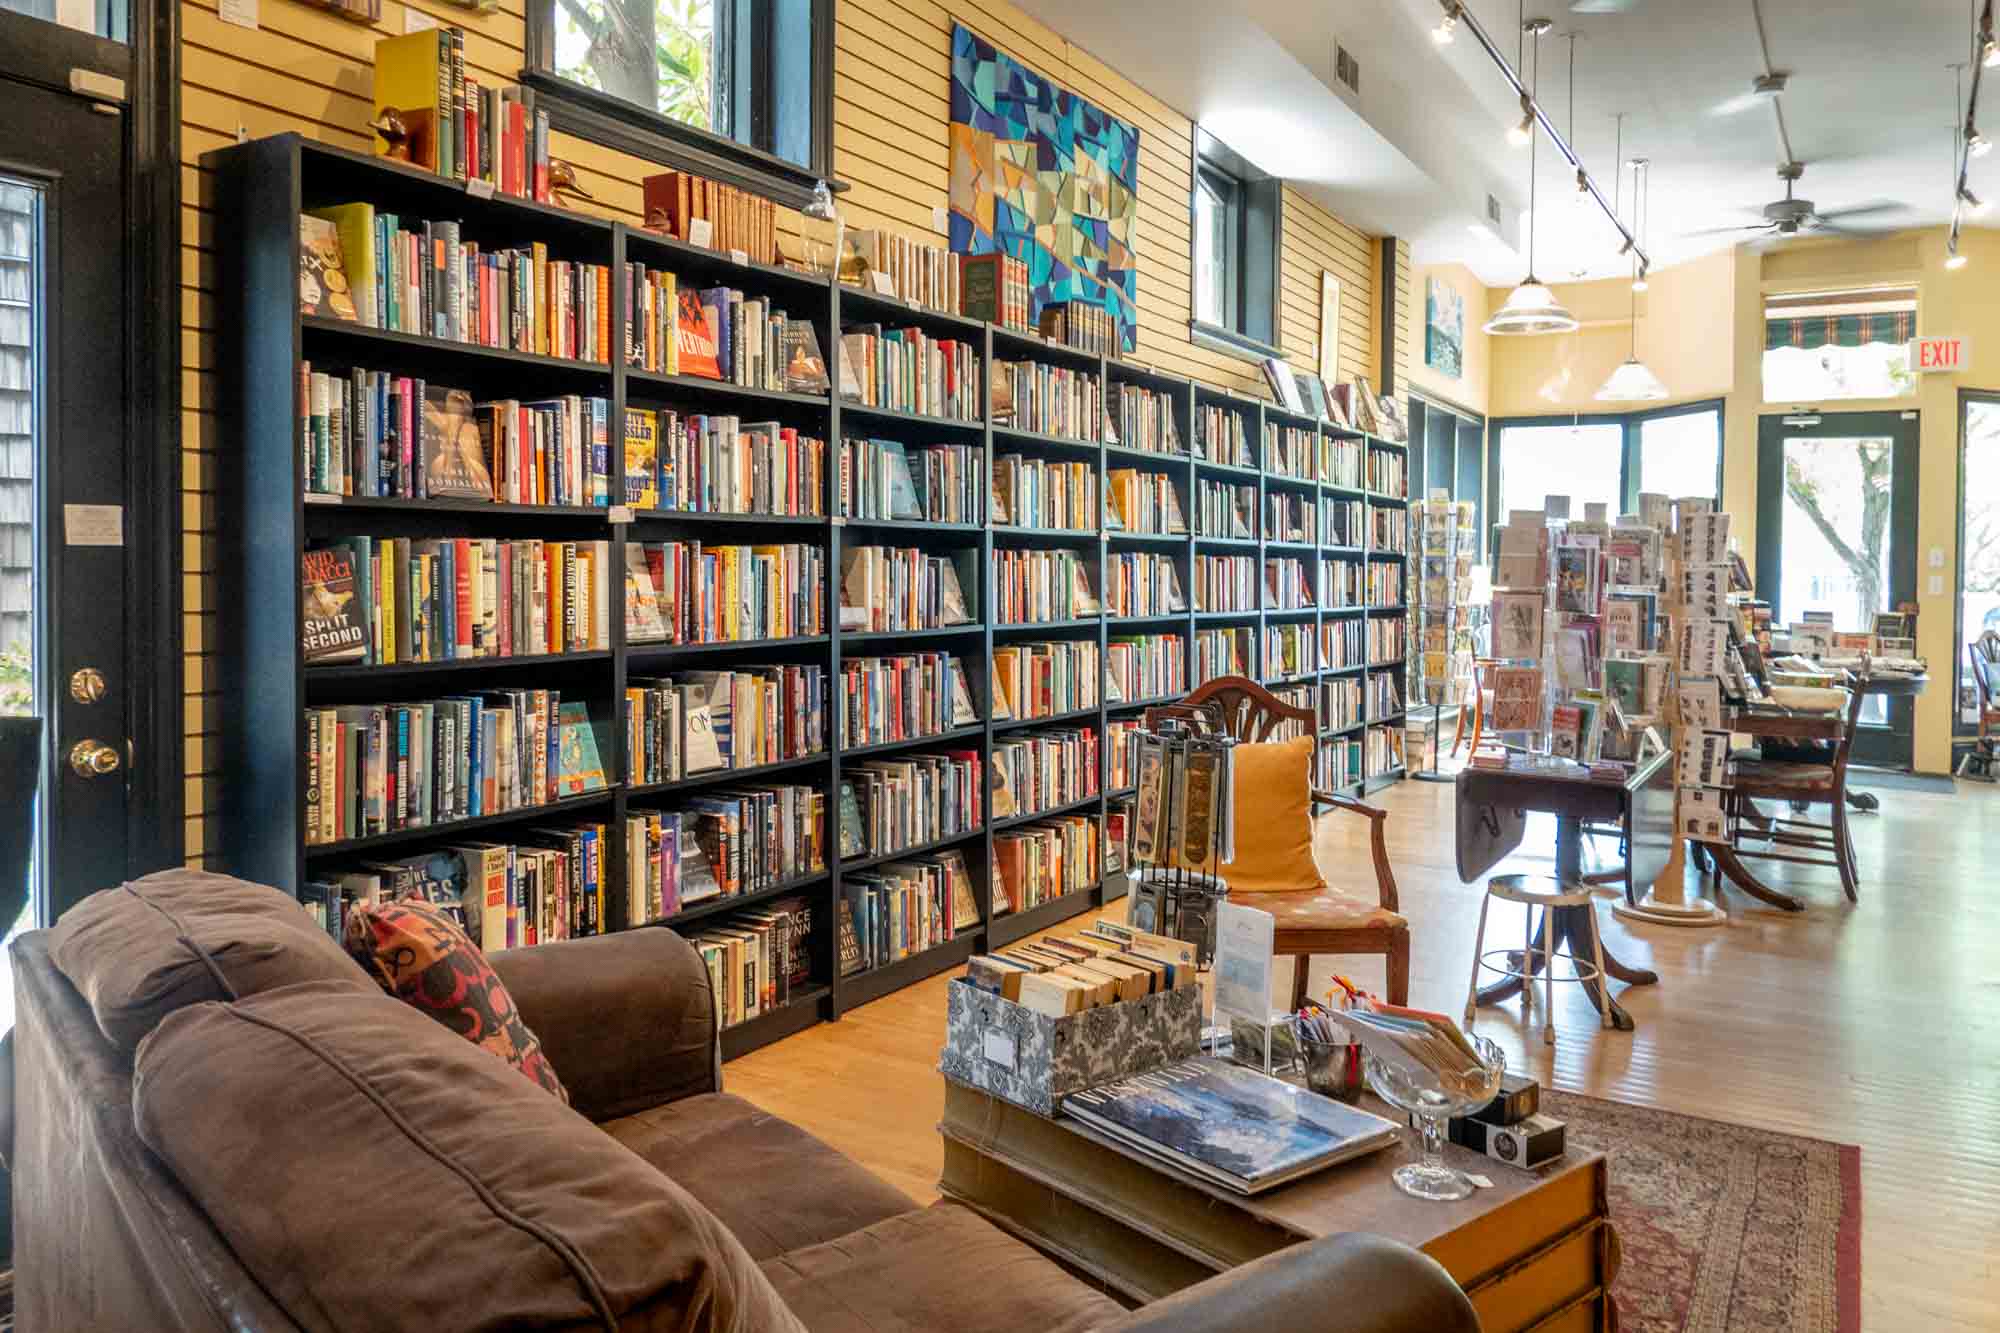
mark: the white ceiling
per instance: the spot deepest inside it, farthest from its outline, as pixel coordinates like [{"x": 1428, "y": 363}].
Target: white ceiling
[{"x": 1869, "y": 110}]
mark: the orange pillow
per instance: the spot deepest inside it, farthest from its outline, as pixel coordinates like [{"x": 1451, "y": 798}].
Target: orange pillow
[{"x": 1274, "y": 836}]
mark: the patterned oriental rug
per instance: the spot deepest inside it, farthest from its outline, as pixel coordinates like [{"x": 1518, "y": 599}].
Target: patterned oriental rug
[{"x": 1725, "y": 1229}]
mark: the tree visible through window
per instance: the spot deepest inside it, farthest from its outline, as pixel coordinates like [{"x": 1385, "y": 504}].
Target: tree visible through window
[
  {"x": 656, "y": 54},
  {"x": 1843, "y": 488}
]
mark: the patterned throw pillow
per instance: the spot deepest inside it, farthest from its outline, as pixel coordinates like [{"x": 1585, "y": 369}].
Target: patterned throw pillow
[{"x": 420, "y": 956}]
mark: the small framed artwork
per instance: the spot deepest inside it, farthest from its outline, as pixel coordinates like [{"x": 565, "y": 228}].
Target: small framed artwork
[
  {"x": 1329, "y": 326},
  {"x": 1362, "y": 403}
]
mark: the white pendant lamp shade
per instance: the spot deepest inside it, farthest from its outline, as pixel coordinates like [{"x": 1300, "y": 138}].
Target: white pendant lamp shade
[
  {"x": 1531, "y": 308},
  {"x": 1632, "y": 383}
]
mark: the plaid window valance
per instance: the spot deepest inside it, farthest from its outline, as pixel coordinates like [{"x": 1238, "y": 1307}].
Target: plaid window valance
[{"x": 1810, "y": 331}]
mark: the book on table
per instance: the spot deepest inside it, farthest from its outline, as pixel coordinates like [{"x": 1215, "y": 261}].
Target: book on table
[{"x": 1228, "y": 1124}]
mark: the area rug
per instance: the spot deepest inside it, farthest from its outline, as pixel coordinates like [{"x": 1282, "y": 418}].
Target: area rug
[{"x": 1725, "y": 1229}]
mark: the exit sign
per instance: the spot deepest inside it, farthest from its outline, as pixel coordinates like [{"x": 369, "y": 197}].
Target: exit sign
[{"x": 1929, "y": 355}]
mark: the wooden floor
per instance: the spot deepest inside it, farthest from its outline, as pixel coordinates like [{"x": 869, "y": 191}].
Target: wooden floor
[{"x": 1877, "y": 1025}]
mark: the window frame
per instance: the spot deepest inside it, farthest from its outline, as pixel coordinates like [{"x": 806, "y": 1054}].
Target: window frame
[
  {"x": 1631, "y": 424},
  {"x": 1961, "y": 729},
  {"x": 617, "y": 124},
  {"x": 1253, "y": 248}
]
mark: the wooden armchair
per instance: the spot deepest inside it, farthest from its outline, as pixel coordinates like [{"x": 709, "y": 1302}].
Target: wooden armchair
[
  {"x": 1309, "y": 921},
  {"x": 1801, "y": 783}
]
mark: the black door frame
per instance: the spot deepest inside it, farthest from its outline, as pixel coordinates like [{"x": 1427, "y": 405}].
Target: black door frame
[
  {"x": 45, "y": 54},
  {"x": 1894, "y": 744}
]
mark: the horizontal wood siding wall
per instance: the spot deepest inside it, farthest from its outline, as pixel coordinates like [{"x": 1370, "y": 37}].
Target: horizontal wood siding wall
[{"x": 303, "y": 70}]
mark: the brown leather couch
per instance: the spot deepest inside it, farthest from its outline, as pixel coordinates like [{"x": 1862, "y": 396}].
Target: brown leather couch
[{"x": 218, "y": 1126}]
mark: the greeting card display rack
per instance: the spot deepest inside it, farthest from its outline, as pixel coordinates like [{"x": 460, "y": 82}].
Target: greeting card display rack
[{"x": 1442, "y": 532}]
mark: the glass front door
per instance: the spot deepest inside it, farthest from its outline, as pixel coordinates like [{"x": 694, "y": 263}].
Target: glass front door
[{"x": 1836, "y": 537}]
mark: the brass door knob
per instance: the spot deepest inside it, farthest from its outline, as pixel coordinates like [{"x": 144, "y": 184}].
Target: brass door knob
[{"x": 93, "y": 758}]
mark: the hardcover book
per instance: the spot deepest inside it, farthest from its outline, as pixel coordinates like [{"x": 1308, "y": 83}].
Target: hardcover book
[
  {"x": 582, "y": 771},
  {"x": 697, "y": 333},
  {"x": 454, "y": 455},
  {"x": 805, "y": 367},
  {"x": 1229, "y": 1124},
  {"x": 323, "y": 282},
  {"x": 642, "y": 455}
]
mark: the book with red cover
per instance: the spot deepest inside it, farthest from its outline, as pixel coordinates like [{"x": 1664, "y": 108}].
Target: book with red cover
[{"x": 697, "y": 335}]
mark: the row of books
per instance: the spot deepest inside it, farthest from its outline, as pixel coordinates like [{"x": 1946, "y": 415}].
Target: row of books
[
  {"x": 1342, "y": 644},
  {"x": 994, "y": 287},
  {"x": 1384, "y": 750},
  {"x": 1388, "y": 530},
  {"x": 377, "y": 433},
  {"x": 1338, "y": 763},
  {"x": 878, "y": 480},
  {"x": 452, "y": 124},
  {"x": 903, "y": 908},
  {"x": 687, "y": 592},
  {"x": 1222, "y": 652},
  {"x": 885, "y": 588},
  {"x": 758, "y": 960},
  {"x": 1385, "y": 698},
  {"x": 884, "y": 700},
  {"x": 369, "y": 268},
  {"x": 1340, "y": 521},
  {"x": 1289, "y": 650},
  {"x": 702, "y": 464},
  {"x": 1339, "y": 702},
  {"x": 1144, "y": 502},
  {"x": 1040, "y": 493},
  {"x": 709, "y": 213},
  {"x": 890, "y": 805},
  {"x": 929, "y": 274},
  {"x": 1141, "y": 667},
  {"x": 907, "y": 370},
  {"x": 1222, "y": 435},
  {"x": 1146, "y": 420},
  {"x": 548, "y": 886},
  {"x": 718, "y": 333},
  {"x": 1340, "y": 461},
  {"x": 1388, "y": 472},
  {"x": 1289, "y": 517},
  {"x": 1224, "y": 582},
  {"x": 1288, "y": 450},
  {"x": 1288, "y": 584},
  {"x": 1080, "y": 324},
  {"x": 380, "y": 768},
  {"x": 702, "y": 721},
  {"x": 1388, "y": 640},
  {"x": 1385, "y": 583},
  {"x": 1031, "y": 586},
  {"x": 1341, "y": 583},
  {"x": 1298, "y": 696},
  {"x": 1140, "y": 583},
  {"x": 1119, "y": 736},
  {"x": 1040, "y": 770},
  {"x": 1040, "y": 862},
  {"x": 1046, "y": 399},
  {"x": 744, "y": 841},
  {"x": 388, "y": 600},
  {"x": 1224, "y": 509},
  {"x": 1032, "y": 680}
]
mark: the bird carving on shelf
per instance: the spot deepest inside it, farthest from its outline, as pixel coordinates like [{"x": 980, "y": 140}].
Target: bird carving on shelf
[
  {"x": 394, "y": 131},
  {"x": 563, "y": 183}
]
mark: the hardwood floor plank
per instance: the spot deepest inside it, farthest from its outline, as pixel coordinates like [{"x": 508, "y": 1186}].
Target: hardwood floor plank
[{"x": 1876, "y": 1024}]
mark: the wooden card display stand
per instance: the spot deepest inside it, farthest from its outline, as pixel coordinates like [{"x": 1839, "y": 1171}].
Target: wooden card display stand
[{"x": 1670, "y": 903}]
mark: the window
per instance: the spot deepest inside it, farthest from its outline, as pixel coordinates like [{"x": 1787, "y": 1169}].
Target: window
[
  {"x": 1235, "y": 260},
  {"x": 1978, "y": 536},
  {"x": 1825, "y": 346},
  {"x": 1680, "y": 453},
  {"x": 1584, "y": 461},
  {"x": 1673, "y": 451},
  {"x": 740, "y": 90}
]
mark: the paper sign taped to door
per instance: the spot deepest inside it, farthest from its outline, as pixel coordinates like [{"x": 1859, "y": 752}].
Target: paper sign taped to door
[{"x": 94, "y": 525}]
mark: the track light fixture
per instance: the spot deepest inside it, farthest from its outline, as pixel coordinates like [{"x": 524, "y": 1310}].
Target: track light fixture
[
  {"x": 1639, "y": 283},
  {"x": 1523, "y": 134},
  {"x": 1973, "y": 202},
  {"x": 1954, "y": 261},
  {"x": 1447, "y": 27},
  {"x": 1976, "y": 143}
]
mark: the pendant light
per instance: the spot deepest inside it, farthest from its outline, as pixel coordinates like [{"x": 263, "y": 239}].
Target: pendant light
[
  {"x": 1531, "y": 308},
  {"x": 1632, "y": 381}
]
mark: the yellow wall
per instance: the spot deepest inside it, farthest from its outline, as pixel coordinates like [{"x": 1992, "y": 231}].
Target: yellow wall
[
  {"x": 1471, "y": 389},
  {"x": 1702, "y": 332},
  {"x": 309, "y": 72}
]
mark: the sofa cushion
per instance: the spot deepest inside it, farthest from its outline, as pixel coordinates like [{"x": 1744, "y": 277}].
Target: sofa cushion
[
  {"x": 941, "y": 1268},
  {"x": 177, "y": 937},
  {"x": 420, "y": 956},
  {"x": 775, "y": 1186},
  {"x": 371, "y": 1170}
]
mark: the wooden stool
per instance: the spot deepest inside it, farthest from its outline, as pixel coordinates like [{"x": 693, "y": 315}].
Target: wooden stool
[{"x": 1533, "y": 891}]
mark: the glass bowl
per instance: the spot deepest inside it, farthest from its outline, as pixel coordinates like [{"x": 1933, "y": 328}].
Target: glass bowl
[{"x": 1433, "y": 1098}]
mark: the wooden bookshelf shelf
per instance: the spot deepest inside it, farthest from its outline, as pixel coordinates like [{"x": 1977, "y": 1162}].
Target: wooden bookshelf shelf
[
  {"x": 258, "y": 820},
  {"x": 873, "y": 859}
]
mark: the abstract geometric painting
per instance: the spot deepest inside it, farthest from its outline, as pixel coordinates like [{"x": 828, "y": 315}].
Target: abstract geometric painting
[{"x": 1042, "y": 175}]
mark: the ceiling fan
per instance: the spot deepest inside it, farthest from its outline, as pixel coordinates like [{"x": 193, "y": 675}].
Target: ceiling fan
[{"x": 1790, "y": 216}]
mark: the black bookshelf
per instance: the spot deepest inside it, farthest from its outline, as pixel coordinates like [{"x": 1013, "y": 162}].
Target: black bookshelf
[{"x": 262, "y": 186}]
